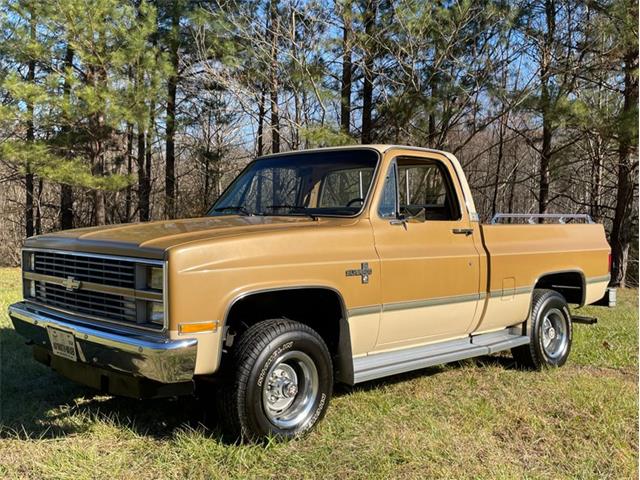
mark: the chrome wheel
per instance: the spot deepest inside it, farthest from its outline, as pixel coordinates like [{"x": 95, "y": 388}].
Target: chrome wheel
[
  {"x": 290, "y": 389},
  {"x": 555, "y": 334}
]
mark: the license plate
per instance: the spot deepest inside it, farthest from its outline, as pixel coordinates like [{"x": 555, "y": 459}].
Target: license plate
[{"x": 63, "y": 344}]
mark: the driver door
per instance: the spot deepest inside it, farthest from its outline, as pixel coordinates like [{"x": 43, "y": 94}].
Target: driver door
[{"x": 430, "y": 267}]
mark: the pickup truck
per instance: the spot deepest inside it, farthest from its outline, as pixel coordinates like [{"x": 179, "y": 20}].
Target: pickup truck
[{"x": 313, "y": 267}]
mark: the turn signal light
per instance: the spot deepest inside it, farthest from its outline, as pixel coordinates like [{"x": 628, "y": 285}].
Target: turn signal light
[{"x": 198, "y": 327}]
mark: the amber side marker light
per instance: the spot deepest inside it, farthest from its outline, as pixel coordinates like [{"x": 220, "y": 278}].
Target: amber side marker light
[{"x": 198, "y": 327}]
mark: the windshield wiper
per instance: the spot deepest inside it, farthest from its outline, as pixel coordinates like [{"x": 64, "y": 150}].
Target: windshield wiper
[
  {"x": 238, "y": 208},
  {"x": 293, "y": 209}
]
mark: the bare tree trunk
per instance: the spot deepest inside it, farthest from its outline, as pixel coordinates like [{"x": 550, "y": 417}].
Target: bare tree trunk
[
  {"x": 66, "y": 207},
  {"x": 38, "y": 224},
  {"x": 96, "y": 75},
  {"x": 99, "y": 207},
  {"x": 128, "y": 204},
  {"x": 172, "y": 87},
  {"x": 66, "y": 191},
  {"x": 433, "y": 88},
  {"x": 347, "y": 70},
  {"x": 622, "y": 230},
  {"x": 261, "y": 113},
  {"x": 31, "y": 76},
  {"x": 596, "y": 185},
  {"x": 275, "y": 119},
  {"x": 496, "y": 183},
  {"x": 143, "y": 198},
  {"x": 370, "y": 14},
  {"x": 502, "y": 127},
  {"x": 545, "y": 98},
  {"x": 512, "y": 190},
  {"x": 147, "y": 163}
]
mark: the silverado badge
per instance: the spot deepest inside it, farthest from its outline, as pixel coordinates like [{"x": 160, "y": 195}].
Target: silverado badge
[{"x": 363, "y": 272}]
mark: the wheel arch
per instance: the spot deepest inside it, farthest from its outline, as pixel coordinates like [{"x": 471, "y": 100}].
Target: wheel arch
[
  {"x": 571, "y": 284},
  {"x": 320, "y": 307}
]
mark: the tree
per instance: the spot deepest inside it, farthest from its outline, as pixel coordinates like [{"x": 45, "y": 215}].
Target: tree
[
  {"x": 347, "y": 67},
  {"x": 623, "y": 14},
  {"x": 83, "y": 97},
  {"x": 369, "y": 18}
]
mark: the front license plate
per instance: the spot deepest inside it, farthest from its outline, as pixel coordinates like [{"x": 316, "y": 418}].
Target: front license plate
[{"x": 63, "y": 344}]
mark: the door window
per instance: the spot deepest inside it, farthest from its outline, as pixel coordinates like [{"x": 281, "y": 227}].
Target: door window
[
  {"x": 426, "y": 186},
  {"x": 414, "y": 188}
]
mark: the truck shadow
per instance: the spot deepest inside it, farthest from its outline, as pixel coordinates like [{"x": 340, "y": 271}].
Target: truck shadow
[{"x": 36, "y": 402}]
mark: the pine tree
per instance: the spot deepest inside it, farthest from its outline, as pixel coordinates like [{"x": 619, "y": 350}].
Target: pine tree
[{"x": 80, "y": 101}]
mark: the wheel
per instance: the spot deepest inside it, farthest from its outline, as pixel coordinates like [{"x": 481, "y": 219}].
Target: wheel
[
  {"x": 279, "y": 382},
  {"x": 551, "y": 332}
]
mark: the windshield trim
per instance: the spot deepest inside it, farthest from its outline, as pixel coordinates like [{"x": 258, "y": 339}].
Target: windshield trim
[{"x": 367, "y": 198}]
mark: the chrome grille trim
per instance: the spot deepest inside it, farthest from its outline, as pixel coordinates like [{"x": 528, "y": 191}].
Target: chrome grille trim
[
  {"x": 95, "y": 304},
  {"x": 97, "y": 287}
]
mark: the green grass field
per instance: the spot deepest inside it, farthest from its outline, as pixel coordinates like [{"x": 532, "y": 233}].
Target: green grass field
[{"x": 475, "y": 419}]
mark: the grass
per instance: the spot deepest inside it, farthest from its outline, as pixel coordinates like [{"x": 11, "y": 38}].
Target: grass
[{"x": 476, "y": 419}]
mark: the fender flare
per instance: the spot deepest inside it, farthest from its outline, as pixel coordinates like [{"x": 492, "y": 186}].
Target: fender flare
[{"x": 343, "y": 358}]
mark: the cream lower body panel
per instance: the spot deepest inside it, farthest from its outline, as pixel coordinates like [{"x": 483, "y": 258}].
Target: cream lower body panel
[
  {"x": 378, "y": 328},
  {"x": 208, "y": 355},
  {"x": 419, "y": 323},
  {"x": 596, "y": 288},
  {"x": 363, "y": 329},
  {"x": 505, "y": 310}
]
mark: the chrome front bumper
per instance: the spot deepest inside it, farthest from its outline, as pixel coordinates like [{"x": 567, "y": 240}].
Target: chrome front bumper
[{"x": 158, "y": 359}]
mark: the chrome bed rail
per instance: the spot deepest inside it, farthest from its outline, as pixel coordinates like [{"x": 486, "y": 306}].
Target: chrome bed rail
[{"x": 532, "y": 218}]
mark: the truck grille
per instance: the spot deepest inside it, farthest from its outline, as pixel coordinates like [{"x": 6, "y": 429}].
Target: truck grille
[
  {"x": 98, "y": 287},
  {"x": 95, "y": 304},
  {"x": 119, "y": 273}
]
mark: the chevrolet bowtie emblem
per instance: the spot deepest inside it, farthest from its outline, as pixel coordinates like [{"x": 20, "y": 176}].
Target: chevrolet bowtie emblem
[
  {"x": 71, "y": 284},
  {"x": 363, "y": 272}
]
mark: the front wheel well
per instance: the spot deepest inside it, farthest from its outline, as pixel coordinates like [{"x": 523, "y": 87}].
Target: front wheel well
[
  {"x": 320, "y": 308},
  {"x": 571, "y": 285}
]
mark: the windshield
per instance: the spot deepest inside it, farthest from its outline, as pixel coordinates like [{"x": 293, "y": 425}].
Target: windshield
[{"x": 331, "y": 183}]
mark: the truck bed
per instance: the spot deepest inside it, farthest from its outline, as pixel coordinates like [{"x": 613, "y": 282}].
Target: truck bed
[{"x": 521, "y": 257}]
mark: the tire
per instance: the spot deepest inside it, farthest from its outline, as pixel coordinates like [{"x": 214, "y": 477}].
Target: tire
[
  {"x": 551, "y": 332},
  {"x": 279, "y": 382}
]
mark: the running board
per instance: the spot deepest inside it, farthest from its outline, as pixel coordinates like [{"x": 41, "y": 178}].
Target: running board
[{"x": 379, "y": 365}]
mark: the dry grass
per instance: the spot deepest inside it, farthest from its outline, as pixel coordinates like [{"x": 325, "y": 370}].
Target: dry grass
[{"x": 482, "y": 419}]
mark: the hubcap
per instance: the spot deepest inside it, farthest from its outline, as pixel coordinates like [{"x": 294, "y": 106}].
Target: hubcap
[
  {"x": 290, "y": 388},
  {"x": 555, "y": 333}
]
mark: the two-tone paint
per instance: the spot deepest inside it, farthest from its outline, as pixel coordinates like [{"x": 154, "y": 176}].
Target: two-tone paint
[{"x": 428, "y": 283}]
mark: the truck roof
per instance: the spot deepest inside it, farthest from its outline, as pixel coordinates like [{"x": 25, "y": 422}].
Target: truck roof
[{"x": 380, "y": 147}]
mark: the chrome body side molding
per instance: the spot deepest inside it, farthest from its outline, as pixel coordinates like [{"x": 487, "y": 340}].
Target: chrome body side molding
[
  {"x": 603, "y": 278},
  {"x": 383, "y": 364}
]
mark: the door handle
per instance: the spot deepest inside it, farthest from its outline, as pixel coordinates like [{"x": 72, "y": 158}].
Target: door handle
[{"x": 463, "y": 231}]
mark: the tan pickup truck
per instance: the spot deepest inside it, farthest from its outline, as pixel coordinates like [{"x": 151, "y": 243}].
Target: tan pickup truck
[{"x": 314, "y": 267}]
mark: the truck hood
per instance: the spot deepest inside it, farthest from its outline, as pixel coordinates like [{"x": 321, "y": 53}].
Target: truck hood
[{"x": 153, "y": 239}]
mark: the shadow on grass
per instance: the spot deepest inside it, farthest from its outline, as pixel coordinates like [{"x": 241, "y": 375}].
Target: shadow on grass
[{"x": 36, "y": 402}]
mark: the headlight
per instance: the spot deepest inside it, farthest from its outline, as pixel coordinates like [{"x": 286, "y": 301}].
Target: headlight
[
  {"x": 156, "y": 278},
  {"x": 156, "y": 313}
]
